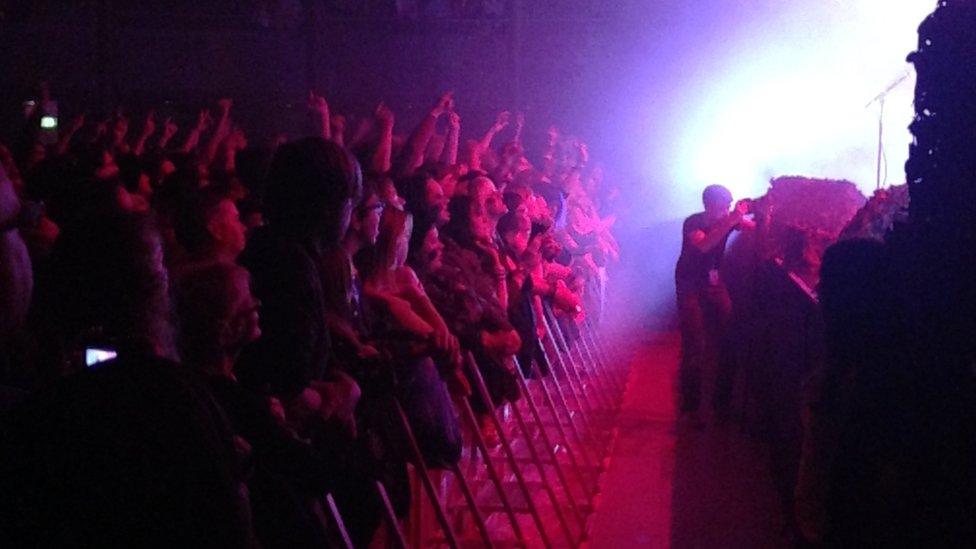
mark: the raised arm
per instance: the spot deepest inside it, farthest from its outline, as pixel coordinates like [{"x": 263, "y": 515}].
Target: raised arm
[
  {"x": 450, "y": 154},
  {"x": 235, "y": 142},
  {"x": 417, "y": 144},
  {"x": 65, "y": 141},
  {"x": 519, "y": 125},
  {"x": 338, "y": 128},
  {"x": 500, "y": 123},
  {"x": 549, "y": 156},
  {"x": 148, "y": 128},
  {"x": 482, "y": 146},
  {"x": 318, "y": 113},
  {"x": 705, "y": 241},
  {"x": 382, "y": 159},
  {"x": 221, "y": 132},
  {"x": 193, "y": 138},
  {"x": 169, "y": 130},
  {"x": 120, "y": 128}
]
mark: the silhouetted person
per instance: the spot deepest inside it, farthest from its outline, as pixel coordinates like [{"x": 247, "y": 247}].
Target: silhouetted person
[
  {"x": 703, "y": 300},
  {"x": 129, "y": 452},
  {"x": 889, "y": 445}
]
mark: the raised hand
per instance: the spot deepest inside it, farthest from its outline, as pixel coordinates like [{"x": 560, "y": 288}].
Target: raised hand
[
  {"x": 77, "y": 122},
  {"x": 454, "y": 120},
  {"x": 503, "y": 119},
  {"x": 149, "y": 127},
  {"x": 338, "y": 123},
  {"x": 384, "y": 116},
  {"x": 102, "y": 128},
  {"x": 169, "y": 128},
  {"x": 204, "y": 119},
  {"x": 444, "y": 104},
  {"x": 520, "y": 120},
  {"x": 237, "y": 140},
  {"x": 553, "y": 134},
  {"x": 317, "y": 103},
  {"x": 583, "y": 152},
  {"x": 742, "y": 207},
  {"x": 225, "y": 103}
]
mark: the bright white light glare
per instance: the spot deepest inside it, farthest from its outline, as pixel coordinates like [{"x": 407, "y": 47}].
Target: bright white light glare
[
  {"x": 786, "y": 95},
  {"x": 49, "y": 122},
  {"x": 95, "y": 356}
]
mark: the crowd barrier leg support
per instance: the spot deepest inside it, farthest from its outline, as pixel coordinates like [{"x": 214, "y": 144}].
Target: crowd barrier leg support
[
  {"x": 603, "y": 386},
  {"x": 581, "y": 409},
  {"x": 425, "y": 479},
  {"x": 563, "y": 341},
  {"x": 395, "y": 532},
  {"x": 479, "y": 520},
  {"x": 546, "y": 484},
  {"x": 560, "y": 475},
  {"x": 615, "y": 375},
  {"x": 493, "y": 476},
  {"x": 605, "y": 349},
  {"x": 596, "y": 369},
  {"x": 602, "y": 399},
  {"x": 336, "y": 518},
  {"x": 537, "y": 417},
  {"x": 507, "y": 448},
  {"x": 599, "y": 361},
  {"x": 560, "y": 428},
  {"x": 572, "y": 365},
  {"x": 564, "y": 404}
]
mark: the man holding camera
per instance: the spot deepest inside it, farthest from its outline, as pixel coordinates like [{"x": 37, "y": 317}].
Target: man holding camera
[{"x": 704, "y": 307}]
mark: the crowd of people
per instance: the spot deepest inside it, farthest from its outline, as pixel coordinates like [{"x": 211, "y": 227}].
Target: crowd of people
[{"x": 201, "y": 337}]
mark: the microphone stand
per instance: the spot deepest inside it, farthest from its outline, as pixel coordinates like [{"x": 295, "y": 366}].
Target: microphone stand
[{"x": 880, "y": 100}]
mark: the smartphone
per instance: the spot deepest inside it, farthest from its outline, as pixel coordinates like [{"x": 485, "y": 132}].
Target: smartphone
[{"x": 97, "y": 355}]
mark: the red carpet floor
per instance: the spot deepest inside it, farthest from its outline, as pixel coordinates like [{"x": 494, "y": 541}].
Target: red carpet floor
[{"x": 681, "y": 488}]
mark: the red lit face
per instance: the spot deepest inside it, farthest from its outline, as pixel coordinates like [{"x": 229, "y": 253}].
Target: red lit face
[
  {"x": 244, "y": 322},
  {"x": 448, "y": 184},
  {"x": 549, "y": 247},
  {"x": 717, "y": 208},
  {"x": 437, "y": 201},
  {"x": 433, "y": 249},
  {"x": 488, "y": 198},
  {"x": 227, "y": 230},
  {"x": 482, "y": 227},
  {"x": 517, "y": 241}
]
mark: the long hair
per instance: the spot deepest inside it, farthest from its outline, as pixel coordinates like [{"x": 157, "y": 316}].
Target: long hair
[
  {"x": 309, "y": 182},
  {"x": 459, "y": 227},
  {"x": 393, "y": 225}
]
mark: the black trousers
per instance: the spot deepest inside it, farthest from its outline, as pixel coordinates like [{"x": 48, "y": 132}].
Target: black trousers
[{"x": 705, "y": 316}]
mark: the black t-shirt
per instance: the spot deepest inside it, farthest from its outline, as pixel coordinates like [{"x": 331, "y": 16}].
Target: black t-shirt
[{"x": 691, "y": 272}]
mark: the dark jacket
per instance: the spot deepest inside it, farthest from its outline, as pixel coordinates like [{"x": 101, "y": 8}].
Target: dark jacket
[{"x": 294, "y": 346}]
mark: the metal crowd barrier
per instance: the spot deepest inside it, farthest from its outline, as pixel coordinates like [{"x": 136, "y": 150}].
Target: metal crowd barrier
[{"x": 535, "y": 487}]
